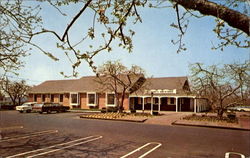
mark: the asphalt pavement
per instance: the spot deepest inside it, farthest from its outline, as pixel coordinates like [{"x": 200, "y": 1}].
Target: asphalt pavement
[{"x": 66, "y": 135}]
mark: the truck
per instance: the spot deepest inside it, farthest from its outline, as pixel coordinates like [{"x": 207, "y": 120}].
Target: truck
[
  {"x": 49, "y": 107},
  {"x": 26, "y": 107}
]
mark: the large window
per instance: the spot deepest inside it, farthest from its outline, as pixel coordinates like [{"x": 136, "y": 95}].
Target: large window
[
  {"x": 35, "y": 97},
  {"x": 172, "y": 100},
  {"x": 61, "y": 98},
  {"x": 52, "y": 98},
  {"x": 43, "y": 97},
  {"x": 91, "y": 99},
  {"x": 74, "y": 98},
  {"x": 111, "y": 99}
]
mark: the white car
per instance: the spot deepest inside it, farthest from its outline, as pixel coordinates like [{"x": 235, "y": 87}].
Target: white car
[{"x": 26, "y": 107}]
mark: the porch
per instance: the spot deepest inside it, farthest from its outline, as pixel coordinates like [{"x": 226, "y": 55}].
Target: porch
[{"x": 167, "y": 103}]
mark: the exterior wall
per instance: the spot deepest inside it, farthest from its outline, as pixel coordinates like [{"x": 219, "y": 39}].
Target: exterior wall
[
  {"x": 56, "y": 98},
  {"x": 39, "y": 98},
  {"x": 31, "y": 98},
  {"x": 83, "y": 101},
  {"x": 101, "y": 100},
  {"x": 126, "y": 102},
  {"x": 66, "y": 99}
]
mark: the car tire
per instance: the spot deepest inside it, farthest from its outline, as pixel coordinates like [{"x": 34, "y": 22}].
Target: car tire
[
  {"x": 40, "y": 112},
  {"x": 48, "y": 112},
  {"x": 28, "y": 111},
  {"x": 21, "y": 111},
  {"x": 242, "y": 110}
]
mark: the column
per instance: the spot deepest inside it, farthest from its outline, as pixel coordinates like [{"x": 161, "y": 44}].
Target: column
[
  {"x": 159, "y": 104},
  {"x": 143, "y": 104},
  {"x": 194, "y": 105},
  {"x": 176, "y": 109}
]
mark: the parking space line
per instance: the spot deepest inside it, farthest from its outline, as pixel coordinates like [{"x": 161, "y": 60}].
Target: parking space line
[
  {"x": 28, "y": 135},
  {"x": 58, "y": 145},
  {"x": 10, "y": 128},
  {"x": 138, "y": 149}
]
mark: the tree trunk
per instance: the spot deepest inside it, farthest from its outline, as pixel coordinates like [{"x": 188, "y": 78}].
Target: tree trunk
[
  {"x": 234, "y": 18},
  {"x": 121, "y": 105}
]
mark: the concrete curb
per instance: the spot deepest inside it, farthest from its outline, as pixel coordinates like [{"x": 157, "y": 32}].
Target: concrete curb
[
  {"x": 209, "y": 126},
  {"x": 138, "y": 121}
]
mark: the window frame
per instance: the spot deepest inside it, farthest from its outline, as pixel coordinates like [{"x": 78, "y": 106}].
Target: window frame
[
  {"x": 112, "y": 105},
  {"x": 95, "y": 99},
  {"x": 77, "y": 98}
]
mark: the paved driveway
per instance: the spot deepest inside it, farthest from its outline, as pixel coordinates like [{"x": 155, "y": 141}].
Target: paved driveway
[{"x": 66, "y": 135}]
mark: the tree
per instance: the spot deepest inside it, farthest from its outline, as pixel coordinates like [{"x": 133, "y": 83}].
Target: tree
[
  {"x": 222, "y": 86},
  {"x": 21, "y": 24},
  {"x": 115, "y": 77},
  {"x": 15, "y": 90}
]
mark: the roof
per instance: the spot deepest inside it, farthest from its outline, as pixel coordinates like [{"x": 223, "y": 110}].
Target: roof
[{"x": 89, "y": 84}]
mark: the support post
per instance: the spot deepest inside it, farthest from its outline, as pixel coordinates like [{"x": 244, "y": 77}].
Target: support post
[
  {"x": 143, "y": 104},
  {"x": 152, "y": 95},
  {"x": 194, "y": 105},
  {"x": 176, "y": 109},
  {"x": 159, "y": 106}
]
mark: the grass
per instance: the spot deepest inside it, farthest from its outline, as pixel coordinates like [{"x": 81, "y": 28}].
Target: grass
[{"x": 210, "y": 118}]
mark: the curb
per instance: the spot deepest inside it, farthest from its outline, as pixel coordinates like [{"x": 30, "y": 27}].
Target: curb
[
  {"x": 138, "y": 121},
  {"x": 209, "y": 126}
]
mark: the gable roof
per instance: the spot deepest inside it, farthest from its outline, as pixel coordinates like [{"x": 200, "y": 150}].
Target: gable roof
[{"x": 89, "y": 84}]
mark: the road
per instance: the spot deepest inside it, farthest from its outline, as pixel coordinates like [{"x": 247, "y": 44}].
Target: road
[{"x": 66, "y": 135}]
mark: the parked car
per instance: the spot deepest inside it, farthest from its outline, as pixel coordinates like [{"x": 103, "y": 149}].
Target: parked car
[
  {"x": 49, "y": 107},
  {"x": 239, "y": 108},
  {"x": 26, "y": 107}
]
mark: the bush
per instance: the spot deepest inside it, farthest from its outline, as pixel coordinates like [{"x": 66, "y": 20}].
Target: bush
[
  {"x": 132, "y": 111},
  {"x": 109, "y": 109}
]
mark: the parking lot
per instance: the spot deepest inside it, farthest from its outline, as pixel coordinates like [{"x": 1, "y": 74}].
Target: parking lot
[
  {"x": 66, "y": 135},
  {"x": 16, "y": 141}
]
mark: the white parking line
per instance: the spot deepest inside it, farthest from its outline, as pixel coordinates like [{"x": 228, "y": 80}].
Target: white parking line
[
  {"x": 28, "y": 135},
  {"x": 138, "y": 149},
  {"x": 57, "y": 145},
  {"x": 10, "y": 128},
  {"x": 233, "y": 153}
]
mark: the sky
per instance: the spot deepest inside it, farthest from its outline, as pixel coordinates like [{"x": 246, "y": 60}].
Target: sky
[{"x": 153, "y": 50}]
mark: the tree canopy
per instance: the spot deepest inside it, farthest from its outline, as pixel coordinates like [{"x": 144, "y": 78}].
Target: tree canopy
[{"x": 21, "y": 22}]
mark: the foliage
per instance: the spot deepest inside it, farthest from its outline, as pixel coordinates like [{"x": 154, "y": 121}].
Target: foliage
[
  {"x": 114, "y": 77},
  {"x": 20, "y": 22},
  {"x": 15, "y": 90},
  {"x": 223, "y": 86}
]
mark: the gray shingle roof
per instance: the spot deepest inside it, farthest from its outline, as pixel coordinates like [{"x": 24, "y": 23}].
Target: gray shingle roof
[{"x": 88, "y": 84}]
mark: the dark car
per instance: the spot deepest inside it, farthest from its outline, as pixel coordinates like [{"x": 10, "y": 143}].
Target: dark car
[{"x": 49, "y": 107}]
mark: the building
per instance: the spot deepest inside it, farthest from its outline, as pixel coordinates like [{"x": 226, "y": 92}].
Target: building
[{"x": 166, "y": 93}]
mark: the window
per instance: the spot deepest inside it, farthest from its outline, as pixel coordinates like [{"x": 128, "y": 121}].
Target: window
[
  {"x": 52, "y": 98},
  {"x": 35, "y": 97},
  {"x": 74, "y": 98},
  {"x": 91, "y": 99},
  {"x": 61, "y": 98},
  {"x": 43, "y": 97},
  {"x": 172, "y": 100},
  {"x": 111, "y": 99}
]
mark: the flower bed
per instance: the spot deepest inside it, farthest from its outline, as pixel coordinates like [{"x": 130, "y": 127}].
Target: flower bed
[
  {"x": 117, "y": 116},
  {"x": 210, "y": 118}
]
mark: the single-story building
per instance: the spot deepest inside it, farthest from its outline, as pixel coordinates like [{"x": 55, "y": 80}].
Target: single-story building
[{"x": 167, "y": 94}]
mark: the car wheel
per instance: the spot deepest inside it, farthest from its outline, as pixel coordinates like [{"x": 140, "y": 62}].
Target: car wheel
[
  {"x": 48, "y": 112},
  {"x": 242, "y": 110},
  {"x": 28, "y": 111},
  {"x": 40, "y": 112},
  {"x": 21, "y": 111}
]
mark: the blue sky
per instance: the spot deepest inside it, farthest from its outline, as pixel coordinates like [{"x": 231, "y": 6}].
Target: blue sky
[{"x": 153, "y": 50}]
